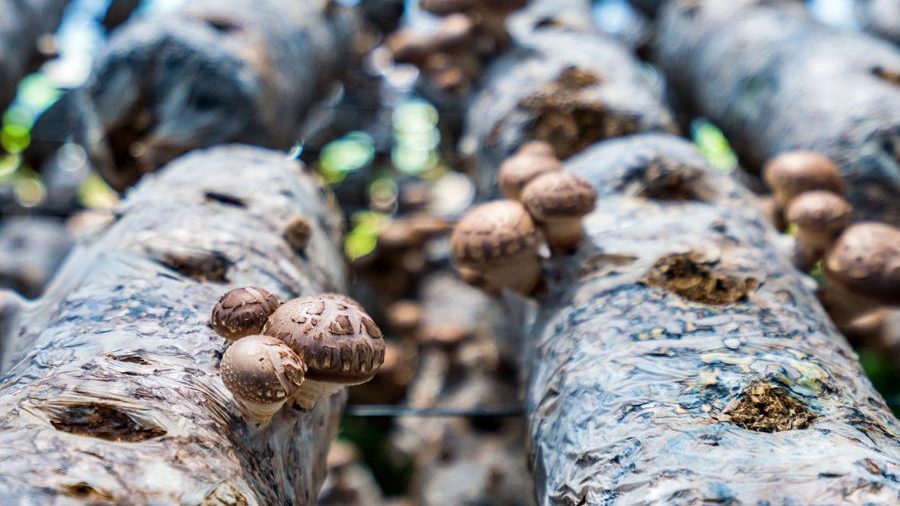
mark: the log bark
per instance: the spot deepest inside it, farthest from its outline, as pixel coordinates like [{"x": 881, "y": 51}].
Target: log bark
[
  {"x": 678, "y": 357},
  {"x": 30, "y": 251},
  {"x": 775, "y": 80},
  {"x": 22, "y": 24},
  {"x": 879, "y": 17},
  {"x": 114, "y": 396},
  {"x": 211, "y": 73}
]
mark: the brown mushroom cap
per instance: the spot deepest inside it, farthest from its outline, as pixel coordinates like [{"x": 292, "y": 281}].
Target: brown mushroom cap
[
  {"x": 404, "y": 315},
  {"x": 866, "y": 259},
  {"x": 493, "y": 231},
  {"x": 409, "y": 46},
  {"x": 333, "y": 335},
  {"x": 796, "y": 172},
  {"x": 559, "y": 195},
  {"x": 261, "y": 369},
  {"x": 445, "y": 7},
  {"x": 400, "y": 234},
  {"x": 820, "y": 210},
  {"x": 243, "y": 312},
  {"x": 454, "y": 31},
  {"x": 523, "y": 167},
  {"x": 297, "y": 232}
]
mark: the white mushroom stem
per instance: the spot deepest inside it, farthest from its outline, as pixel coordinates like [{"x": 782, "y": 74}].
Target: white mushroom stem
[
  {"x": 563, "y": 235},
  {"x": 311, "y": 391},
  {"x": 256, "y": 413}
]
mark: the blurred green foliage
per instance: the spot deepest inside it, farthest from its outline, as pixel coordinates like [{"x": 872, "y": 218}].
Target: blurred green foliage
[
  {"x": 363, "y": 235},
  {"x": 347, "y": 154},
  {"x": 713, "y": 145}
]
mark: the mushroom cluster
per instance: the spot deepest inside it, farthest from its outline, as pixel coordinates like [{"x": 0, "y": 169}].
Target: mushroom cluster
[
  {"x": 496, "y": 245},
  {"x": 296, "y": 352}
]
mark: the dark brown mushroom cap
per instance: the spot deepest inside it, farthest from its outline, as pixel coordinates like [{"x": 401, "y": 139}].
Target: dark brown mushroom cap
[
  {"x": 820, "y": 210},
  {"x": 400, "y": 234},
  {"x": 523, "y": 167},
  {"x": 800, "y": 171},
  {"x": 409, "y": 46},
  {"x": 493, "y": 231},
  {"x": 297, "y": 232},
  {"x": 559, "y": 195},
  {"x": 243, "y": 312},
  {"x": 261, "y": 369},
  {"x": 866, "y": 259},
  {"x": 333, "y": 335}
]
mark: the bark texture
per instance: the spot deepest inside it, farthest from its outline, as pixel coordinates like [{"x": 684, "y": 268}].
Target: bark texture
[
  {"x": 210, "y": 73},
  {"x": 568, "y": 87},
  {"x": 775, "y": 80},
  {"x": 679, "y": 358},
  {"x": 880, "y": 17},
  {"x": 114, "y": 394},
  {"x": 30, "y": 251},
  {"x": 22, "y": 24}
]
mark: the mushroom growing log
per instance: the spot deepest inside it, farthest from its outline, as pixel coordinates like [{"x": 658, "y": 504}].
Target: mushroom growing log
[
  {"x": 775, "y": 80},
  {"x": 678, "y": 357},
  {"x": 25, "y": 27},
  {"x": 112, "y": 392},
  {"x": 210, "y": 73}
]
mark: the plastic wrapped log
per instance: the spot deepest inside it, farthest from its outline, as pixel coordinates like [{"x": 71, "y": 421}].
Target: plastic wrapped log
[
  {"x": 210, "y": 73},
  {"x": 679, "y": 358},
  {"x": 115, "y": 395},
  {"x": 568, "y": 88},
  {"x": 22, "y": 26},
  {"x": 775, "y": 80}
]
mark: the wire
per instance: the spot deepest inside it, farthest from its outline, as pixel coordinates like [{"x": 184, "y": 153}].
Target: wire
[{"x": 393, "y": 411}]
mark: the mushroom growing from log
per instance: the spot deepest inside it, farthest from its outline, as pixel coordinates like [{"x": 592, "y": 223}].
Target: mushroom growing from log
[
  {"x": 792, "y": 173},
  {"x": 498, "y": 242},
  {"x": 530, "y": 161},
  {"x": 262, "y": 373},
  {"x": 862, "y": 272},
  {"x": 334, "y": 337},
  {"x": 243, "y": 312},
  {"x": 819, "y": 216},
  {"x": 558, "y": 201}
]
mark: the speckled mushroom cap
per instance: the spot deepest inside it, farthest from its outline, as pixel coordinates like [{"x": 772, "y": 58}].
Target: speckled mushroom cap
[
  {"x": 800, "y": 171},
  {"x": 523, "y": 167},
  {"x": 559, "y": 195},
  {"x": 820, "y": 210},
  {"x": 333, "y": 335},
  {"x": 243, "y": 312},
  {"x": 493, "y": 231},
  {"x": 866, "y": 259},
  {"x": 261, "y": 369}
]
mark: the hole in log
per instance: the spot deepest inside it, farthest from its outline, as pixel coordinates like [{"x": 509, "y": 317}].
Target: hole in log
[
  {"x": 225, "y": 494},
  {"x": 131, "y": 359},
  {"x": 603, "y": 264},
  {"x": 200, "y": 265},
  {"x": 83, "y": 490},
  {"x": 660, "y": 178},
  {"x": 764, "y": 407},
  {"x": 104, "y": 422},
  {"x": 546, "y": 22},
  {"x": 692, "y": 277},
  {"x": 889, "y": 75},
  {"x": 224, "y": 198},
  {"x": 221, "y": 25}
]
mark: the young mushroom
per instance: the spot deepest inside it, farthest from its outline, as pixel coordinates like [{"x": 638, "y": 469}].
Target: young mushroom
[
  {"x": 498, "y": 242},
  {"x": 862, "y": 272},
  {"x": 819, "y": 216},
  {"x": 530, "y": 161},
  {"x": 242, "y": 312},
  {"x": 262, "y": 373},
  {"x": 334, "y": 337},
  {"x": 558, "y": 201},
  {"x": 792, "y": 173},
  {"x": 297, "y": 233}
]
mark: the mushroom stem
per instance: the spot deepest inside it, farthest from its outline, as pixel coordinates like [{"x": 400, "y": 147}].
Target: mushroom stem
[
  {"x": 809, "y": 246},
  {"x": 563, "y": 235},
  {"x": 258, "y": 413},
  {"x": 846, "y": 306},
  {"x": 311, "y": 391},
  {"x": 519, "y": 273}
]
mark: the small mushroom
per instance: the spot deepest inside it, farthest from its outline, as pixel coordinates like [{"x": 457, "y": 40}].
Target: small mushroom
[
  {"x": 792, "y": 173},
  {"x": 243, "y": 312},
  {"x": 498, "y": 241},
  {"x": 558, "y": 201},
  {"x": 819, "y": 216},
  {"x": 297, "y": 232},
  {"x": 530, "y": 161},
  {"x": 262, "y": 373},
  {"x": 862, "y": 272},
  {"x": 334, "y": 337},
  {"x": 404, "y": 317}
]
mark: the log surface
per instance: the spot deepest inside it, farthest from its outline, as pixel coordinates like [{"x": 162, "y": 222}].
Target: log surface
[
  {"x": 111, "y": 392},
  {"x": 775, "y": 80},
  {"x": 679, "y": 358}
]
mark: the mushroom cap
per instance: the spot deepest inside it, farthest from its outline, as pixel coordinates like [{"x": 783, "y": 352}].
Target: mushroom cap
[
  {"x": 332, "y": 335},
  {"x": 404, "y": 315},
  {"x": 400, "y": 234},
  {"x": 800, "y": 171},
  {"x": 297, "y": 232},
  {"x": 493, "y": 231},
  {"x": 559, "y": 195},
  {"x": 866, "y": 259},
  {"x": 243, "y": 312},
  {"x": 523, "y": 167},
  {"x": 821, "y": 210},
  {"x": 261, "y": 369},
  {"x": 409, "y": 46},
  {"x": 445, "y": 7},
  {"x": 455, "y": 30}
]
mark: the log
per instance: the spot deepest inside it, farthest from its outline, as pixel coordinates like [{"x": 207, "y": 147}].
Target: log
[
  {"x": 112, "y": 393},
  {"x": 567, "y": 87},
  {"x": 775, "y": 80},
  {"x": 22, "y": 25},
  {"x": 31, "y": 248},
  {"x": 211, "y": 73},
  {"x": 679, "y": 358},
  {"x": 879, "y": 17}
]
